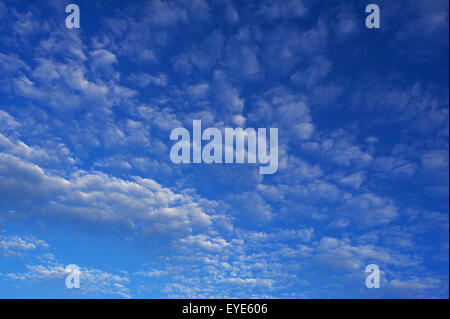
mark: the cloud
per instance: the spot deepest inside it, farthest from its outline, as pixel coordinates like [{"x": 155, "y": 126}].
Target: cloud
[
  {"x": 414, "y": 287},
  {"x": 435, "y": 160},
  {"x": 252, "y": 206},
  {"x": 102, "y": 59},
  {"x": 92, "y": 281},
  {"x": 7, "y": 122},
  {"x": 98, "y": 199},
  {"x": 280, "y": 107},
  {"x": 144, "y": 79},
  {"x": 242, "y": 57},
  {"x": 17, "y": 246},
  {"x": 20, "y": 178},
  {"x": 264, "y": 283},
  {"x": 354, "y": 180},
  {"x": 317, "y": 70},
  {"x": 11, "y": 63},
  {"x": 204, "y": 242},
  {"x": 341, "y": 148},
  {"x": 290, "y": 9},
  {"x": 228, "y": 98},
  {"x": 395, "y": 165},
  {"x": 369, "y": 209},
  {"x": 343, "y": 255}
]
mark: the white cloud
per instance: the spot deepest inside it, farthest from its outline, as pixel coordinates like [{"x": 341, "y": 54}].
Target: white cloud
[
  {"x": 7, "y": 122},
  {"x": 12, "y": 63},
  {"x": 414, "y": 287},
  {"x": 369, "y": 209},
  {"x": 437, "y": 159},
  {"x": 92, "y": 281},
  {"x": 395, "y": 164},
  {"x": 96, "y": 198},
  {"x": 143, "y": 79},
  {"x": 16, "y": 246},
  {"x": 354, "y": 180},
  {"x": 343, "y": 255},
  {"x": 205, "y": 242},
  {"x": 290, "y": 9},
  {"x": 318, "y": 69},
  {"x": 252, "y": 206},
  {"x": 103, "y": 56}
]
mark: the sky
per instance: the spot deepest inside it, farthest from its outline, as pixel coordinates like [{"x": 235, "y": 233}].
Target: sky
[{"x": 363, "y": 135}]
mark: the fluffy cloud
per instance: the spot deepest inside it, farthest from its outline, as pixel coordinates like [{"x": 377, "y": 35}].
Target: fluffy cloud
[{"x": 16, "y": 246}]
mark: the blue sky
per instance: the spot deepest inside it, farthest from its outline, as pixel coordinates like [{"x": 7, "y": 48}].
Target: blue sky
[{"x": 86, "y": 177}]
